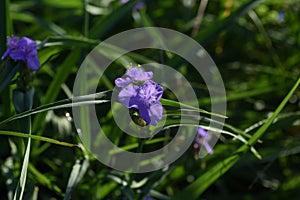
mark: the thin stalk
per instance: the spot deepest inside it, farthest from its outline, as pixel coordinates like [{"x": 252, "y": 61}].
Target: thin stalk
[
  {"x": 5, "y": 26},
  {"x": 37, "y": 137}
]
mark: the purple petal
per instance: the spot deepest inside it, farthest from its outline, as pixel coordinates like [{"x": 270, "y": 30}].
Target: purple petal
[
  {"x": 123, "y": 82},
  {"x": 148, "y": 198},
  {"x": 136, "y": 73},
  {"x": 128, "y": 95},
  {"x": 124, "y": 1},
  {"x": 12, "y": 42},
  {"x": 6, "y": 53},
  {"x": 138, "y": 6},
  {"x": 208, "y": 147},
  {"x": 27, "y": 42},
  {"x": 201, "y": 132},
  {"x": 33, "y": 63},
  {"x": 155, "y": 113},
  {"x": 144, "y": 112},
  {"x": 151, "y": 91},
  {"x": 18, "y": 55}
]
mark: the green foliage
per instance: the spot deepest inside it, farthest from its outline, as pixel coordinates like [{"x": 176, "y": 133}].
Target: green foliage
[{"x": 256, "y": 51}]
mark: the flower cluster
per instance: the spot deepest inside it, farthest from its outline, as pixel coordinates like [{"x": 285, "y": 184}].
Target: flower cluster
[
  {"x": 145, "y": 97},
  {"x": 23, "y": 49},
  {"x": 202, "y": 138}
]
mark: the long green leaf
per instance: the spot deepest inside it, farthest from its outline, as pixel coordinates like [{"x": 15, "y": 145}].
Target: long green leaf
[
  {"x": 43, "y": 179},
  {"x": 37, "y": 137},
  {"x": 28, "y": 18},
  {"x": 102, "y": 26},
  {"x": 195, "y": 189},
  {"x": 167, "y": 102},
  {"x": 22, "y": 182},
  {"x": 7, "y": 72},
  {"x": 69, "y": 41},
  {"x": 76, "y": 175},
  {"x": 66, "y": 103}
]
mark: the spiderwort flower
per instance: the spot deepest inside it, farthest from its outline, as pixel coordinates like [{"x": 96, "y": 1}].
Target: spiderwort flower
[
  {"x": 202, "y": 138},
  {"x": 23, "y": 49},
  {"x": 132, "y": 75},
  {"x": 145, "y": 99}
]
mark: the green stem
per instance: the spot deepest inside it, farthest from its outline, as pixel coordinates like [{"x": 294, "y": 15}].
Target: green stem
[
  {"x": 5, "y": 25},
  {"x": 86, "y": 19}
]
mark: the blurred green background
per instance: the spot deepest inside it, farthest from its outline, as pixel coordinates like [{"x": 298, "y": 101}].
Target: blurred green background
[{"x": 255, "y": 45}]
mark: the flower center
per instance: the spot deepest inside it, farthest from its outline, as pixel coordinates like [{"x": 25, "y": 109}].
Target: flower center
[{"x": 150, "y": 92}]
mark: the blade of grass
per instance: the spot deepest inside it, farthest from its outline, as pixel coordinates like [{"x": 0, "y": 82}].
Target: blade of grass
[
  {"x": 28, "y": 18},
  {"x": 102, "y": 26},
  {"x": 66, "y": 103},
  {"x": 167, "y": 102},
  {"x": 69, "y": 41},
  {"x": 195, "y": 189},
  {"x": 23, "y": 176},
  {"x": 76, "y": 175},
  {"x": 37, "y": 137},
  {"x": 43, "y": 179}
]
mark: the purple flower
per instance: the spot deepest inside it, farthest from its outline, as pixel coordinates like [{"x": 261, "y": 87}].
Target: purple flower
[
  {"x": 23, "y": 49},
  {"x": 145, "y": 99},
  {"x": 136, "y": 7},
  {"x": 281, "y": 16},
  {"x": 148, "y": 198},
  {"x": 133, "y": 74},
  {"x": 202, "y": 138}
]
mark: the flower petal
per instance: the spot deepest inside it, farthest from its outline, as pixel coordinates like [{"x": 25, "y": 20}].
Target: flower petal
[
  {"x": 6, "y": 53},
  {"x": 18, "y": 55},
  {"x": 128, "y": 95},
  {"x": 155, "y": 113},
  {"x": 33, "y": 62},
  {"x": 136, "y": 73},
  {"x": 123, "y": 82},
  {"x": 144, "y": 112},
  {"x": 12, "y": 41},
  {"x": 151, "y": 92},
  {"x": 27, "y": 42},
  {"x": 138, "y": 6},
  {"x": 208, "y": 147},
  {"x": 201, "y": 132}
]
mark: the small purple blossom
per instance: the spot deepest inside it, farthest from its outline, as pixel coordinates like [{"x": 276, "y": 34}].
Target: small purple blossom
[
  {"x": 136, "y": 7},
  {"x": 148, "y": 198},
  {"x": 132, "y": 75},
  {"x": 145, "y": 99},
  {"x": 281, "y": 16},
  {"x": 23, "y": 49},
  {"x": 202, "y": 138}
]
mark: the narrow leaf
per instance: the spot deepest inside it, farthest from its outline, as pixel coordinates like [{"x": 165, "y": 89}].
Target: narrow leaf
[
  {"x": 22, "y": 182},
  {"x": 195, "y": 189},
  {"x": 77, "y": 173}
]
